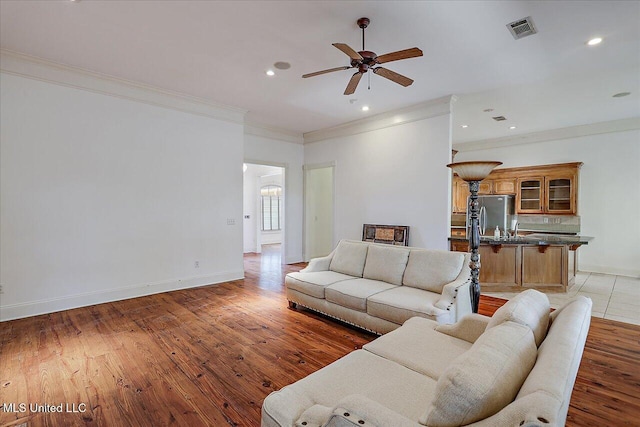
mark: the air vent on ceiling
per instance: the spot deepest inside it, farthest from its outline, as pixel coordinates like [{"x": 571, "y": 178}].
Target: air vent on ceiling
[
  {"x": 522, "y": 28},
  {"x": 499, "y": 118}
]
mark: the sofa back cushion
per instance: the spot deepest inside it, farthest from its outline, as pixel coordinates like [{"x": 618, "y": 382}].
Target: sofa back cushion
[
  {"x": 484, "y": 379},
  {"x": 432, "y": 269},
  {"x": 349, "y": 258},
  {"x": 386, "y": 263},
  {"x": 530, "y": 308},
  {"x": 559, "y": 357}
]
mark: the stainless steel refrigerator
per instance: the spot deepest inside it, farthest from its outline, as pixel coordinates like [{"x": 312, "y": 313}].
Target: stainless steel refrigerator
[{"x": 495, "y": 211}]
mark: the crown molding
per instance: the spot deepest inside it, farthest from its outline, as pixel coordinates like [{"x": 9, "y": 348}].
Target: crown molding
[
  {"x": 621, "y": 125},
  {"x": 32, "y": 67},
  {"x": 425, "y": 110},
  {"x": 271, "y": 132}
]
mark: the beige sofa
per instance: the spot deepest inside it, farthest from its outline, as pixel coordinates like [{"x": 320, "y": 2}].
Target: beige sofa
[
  {"x": 516, "y": 368},
  {"x": 378, "y": 287}
]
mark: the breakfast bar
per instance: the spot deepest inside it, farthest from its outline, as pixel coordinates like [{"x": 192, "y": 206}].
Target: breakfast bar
[{"x": 545, "y": 262}]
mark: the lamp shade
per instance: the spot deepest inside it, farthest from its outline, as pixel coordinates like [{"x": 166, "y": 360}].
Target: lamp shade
[{"x": 473, "y": 171}]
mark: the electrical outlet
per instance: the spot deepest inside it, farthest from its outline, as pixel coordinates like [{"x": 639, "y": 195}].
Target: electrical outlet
[
  {"x": 1, "y": 291},
  {"x": 545, "y": 220},
  {"x": 196, "y": 264},
  {"x": 231, "y": 221}
]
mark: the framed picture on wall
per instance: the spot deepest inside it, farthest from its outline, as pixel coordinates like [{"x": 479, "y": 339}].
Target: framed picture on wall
[{"x": 389, "y": 234}]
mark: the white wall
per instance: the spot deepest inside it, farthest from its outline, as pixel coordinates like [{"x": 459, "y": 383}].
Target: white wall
[
  {"x": 105, "y": 198},
  {"x": 319, "y": 211},
  {"x": 396, "y": 175},
  {"x": 609, "y": 192},
  {"x": 272, "y": 151}
]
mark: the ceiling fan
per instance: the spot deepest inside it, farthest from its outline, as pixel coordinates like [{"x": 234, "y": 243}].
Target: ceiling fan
[{"x": 365, "y": 60}]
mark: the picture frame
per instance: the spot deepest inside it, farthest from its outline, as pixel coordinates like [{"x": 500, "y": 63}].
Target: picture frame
[{"x": 388, "y": 234}]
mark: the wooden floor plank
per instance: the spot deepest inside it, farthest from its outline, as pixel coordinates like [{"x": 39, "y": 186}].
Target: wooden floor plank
[{"x": 210, "y": 355}]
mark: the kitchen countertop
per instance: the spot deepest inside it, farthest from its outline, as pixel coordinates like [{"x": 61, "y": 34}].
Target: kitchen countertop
[{"x": 532, "y": 239}]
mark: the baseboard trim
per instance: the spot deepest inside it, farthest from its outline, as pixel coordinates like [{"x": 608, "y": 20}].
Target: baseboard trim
[
  {"x": 603, "y": 269},
  {"x": 52, "y": 305}
]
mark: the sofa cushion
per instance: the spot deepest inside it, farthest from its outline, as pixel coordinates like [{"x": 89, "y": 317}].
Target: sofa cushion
[
  {"x": 354, "y": 293},
  {"x": 314, "y": 283},
  {"x": 349, "y": 258},
  {"x": 419, "y": 347},
  {"x": 402, "y": 303},
  {"x": 432, "y": 269},
  {"x": 386, "y": 263},
  {"x": 560, "y": 354},
  {"x": 360, "y": 372},
  {"x": 485, "y": 379},
  {"x": 530, "y": 308}
]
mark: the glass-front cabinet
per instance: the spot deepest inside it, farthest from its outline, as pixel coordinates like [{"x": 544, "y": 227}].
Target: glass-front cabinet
[
  {"x": 553, "y": 194},
  {"x": 530, "y": 195},
  {"x": 560, "y": 195}
]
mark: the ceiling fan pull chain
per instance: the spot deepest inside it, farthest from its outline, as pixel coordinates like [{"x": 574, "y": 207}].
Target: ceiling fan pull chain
[{"x": 369, "y": 81}]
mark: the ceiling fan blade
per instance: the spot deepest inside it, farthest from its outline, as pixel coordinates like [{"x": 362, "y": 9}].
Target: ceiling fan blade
[
  {"x": 330, "y": 70},
  {"x": 393, "y": 76},
  {"x": 401, "y": 54},
  {"x": 349, "y": 51},
  {"x": 353, "y": 83}
]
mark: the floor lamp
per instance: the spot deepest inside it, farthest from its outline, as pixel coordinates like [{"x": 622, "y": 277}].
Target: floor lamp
[{"x": 473, "y": 173}]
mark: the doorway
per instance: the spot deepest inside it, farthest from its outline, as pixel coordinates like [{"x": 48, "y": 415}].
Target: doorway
[
  {"x": 263, "y": 209},
  {"x": 318, "y": 210}
]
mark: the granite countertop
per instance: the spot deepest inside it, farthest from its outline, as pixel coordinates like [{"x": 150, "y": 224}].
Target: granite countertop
[{"x": 532, "y": 239}]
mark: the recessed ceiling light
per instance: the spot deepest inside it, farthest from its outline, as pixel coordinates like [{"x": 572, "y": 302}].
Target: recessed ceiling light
[
  {"x": 281, "y": 65},
  {"x": 365, "y": 108},
  {"x": 512, "y": 127},
  {"x": 464, "y": 126},
  {"x": 594, "y": 41},
  {"x": 621, "y": 94},
  {"x": 270, "y": 73}
]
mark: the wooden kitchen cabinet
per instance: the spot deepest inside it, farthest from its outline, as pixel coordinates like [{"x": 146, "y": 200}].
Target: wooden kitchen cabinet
[
  {"x": 459, "y": 246},
  {"x": 485, "y": 187},
  {"x": 544, "y": 266},
  {"x": 458, "y": 232},
  {"x": 500, "y": 269},
  {"x": 555, "y": 193},
  {"x": 530, "y": 198},
  {"x": 545, "y": 189},
  {"x": 515, "y": 266},
  {"x": 504, "y": 186},
  {"x": 460, "y": 194}
]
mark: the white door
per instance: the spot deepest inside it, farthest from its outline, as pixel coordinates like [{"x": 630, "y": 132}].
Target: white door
[{"x": 318, "y": 210}]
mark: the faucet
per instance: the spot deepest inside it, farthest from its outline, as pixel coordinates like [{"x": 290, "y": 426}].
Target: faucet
[{"x": 515, "y": 231}]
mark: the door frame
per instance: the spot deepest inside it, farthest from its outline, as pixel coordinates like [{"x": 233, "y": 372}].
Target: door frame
[{"x": 285, "y": 168}]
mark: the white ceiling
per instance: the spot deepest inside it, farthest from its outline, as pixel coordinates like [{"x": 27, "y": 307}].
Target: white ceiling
[{"x": 220, "y": 50}]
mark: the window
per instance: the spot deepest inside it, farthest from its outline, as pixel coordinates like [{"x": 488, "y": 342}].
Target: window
[{"x": 271, "y": 199}]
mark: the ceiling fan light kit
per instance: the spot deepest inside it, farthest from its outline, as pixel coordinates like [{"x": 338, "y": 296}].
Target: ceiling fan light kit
[{"x": 366, "y": 60}]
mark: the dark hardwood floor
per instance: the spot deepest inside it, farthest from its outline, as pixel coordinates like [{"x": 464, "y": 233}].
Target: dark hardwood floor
[{"x": 209, "y": 356}]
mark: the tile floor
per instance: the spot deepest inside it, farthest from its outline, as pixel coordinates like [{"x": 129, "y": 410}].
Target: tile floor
[{"x": 614, "y": 297}]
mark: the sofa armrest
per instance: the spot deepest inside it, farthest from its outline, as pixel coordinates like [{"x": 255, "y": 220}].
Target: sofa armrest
[
  {"x": 469, "y": 328},
  {"x": 318, "y": 264},
  {"x": 357, "y": 410},
  {"x": 455, "y": 296}
]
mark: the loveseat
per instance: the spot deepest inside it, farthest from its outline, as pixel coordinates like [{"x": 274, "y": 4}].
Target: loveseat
[
  {"x": 378, "y": 287},
  {"x": 517, "y": 368}
]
